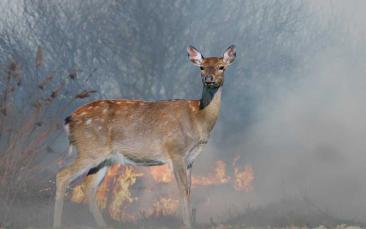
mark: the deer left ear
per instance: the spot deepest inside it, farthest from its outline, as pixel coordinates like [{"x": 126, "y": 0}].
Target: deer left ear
[{"x": 229, "y": 55}]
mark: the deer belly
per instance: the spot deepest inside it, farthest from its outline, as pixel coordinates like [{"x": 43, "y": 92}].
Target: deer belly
[
  {"x": 136, "y": 160},
  {"x": 139, "y": 151},
  {"x": 118, "y": 158}
]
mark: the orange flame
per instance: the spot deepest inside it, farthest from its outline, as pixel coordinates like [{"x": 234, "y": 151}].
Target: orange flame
[
  {"x": 104, "y": 188},
  {"x": 243, "y": 179},
  {"x": 78, "y": 195},
  {"x": 219, "y": 177},
  {"x": 122, "y": 195},
  {"x": 114, "y": 193},
  {"x": 161, "y": 174}
]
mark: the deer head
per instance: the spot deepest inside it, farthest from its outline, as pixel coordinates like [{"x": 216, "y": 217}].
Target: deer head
[{"x": 212, "y": 68}]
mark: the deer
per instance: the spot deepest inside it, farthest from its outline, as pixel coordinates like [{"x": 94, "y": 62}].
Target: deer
[{"x": 143, "y": 133}]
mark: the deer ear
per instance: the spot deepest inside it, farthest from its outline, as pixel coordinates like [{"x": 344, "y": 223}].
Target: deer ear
[
  {"x": 194, "y": 56},
  {"x": 230, "y": 54}
]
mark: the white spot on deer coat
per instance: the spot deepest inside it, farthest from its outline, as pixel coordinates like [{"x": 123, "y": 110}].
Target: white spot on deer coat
[{"x": 88, "y": 121}]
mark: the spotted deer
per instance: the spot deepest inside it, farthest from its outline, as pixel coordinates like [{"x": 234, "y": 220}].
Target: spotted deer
[{"x": 146, "y": 133}]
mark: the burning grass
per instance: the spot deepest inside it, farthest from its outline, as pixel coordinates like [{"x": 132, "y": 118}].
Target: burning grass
[{"x": 133, "y": 193}]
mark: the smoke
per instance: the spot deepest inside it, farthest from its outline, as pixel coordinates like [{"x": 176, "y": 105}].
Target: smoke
[
  {"x": 307, "y": 140},
  {"x": 310, "y": 141},
  {"x": 293, "y": 102}
]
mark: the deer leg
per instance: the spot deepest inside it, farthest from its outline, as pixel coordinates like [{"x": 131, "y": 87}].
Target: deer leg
[
  {"x": 189, "y": 178},
  {"x": 63, "y": 179},
  {"x": 92, "y": 183},
  {"x": 182, "y": 176}
]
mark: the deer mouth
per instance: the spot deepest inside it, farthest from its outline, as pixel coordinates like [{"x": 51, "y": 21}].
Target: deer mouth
[{"x": 212, "y": 84}]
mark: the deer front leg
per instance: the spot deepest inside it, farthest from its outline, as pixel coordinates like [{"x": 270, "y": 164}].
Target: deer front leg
[{"x": 182, "y": 176}]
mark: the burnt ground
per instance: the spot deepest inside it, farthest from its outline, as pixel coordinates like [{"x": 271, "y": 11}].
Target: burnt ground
[
  {"x": 31, "y": 206},
  {"x": 33, "y": 209}
]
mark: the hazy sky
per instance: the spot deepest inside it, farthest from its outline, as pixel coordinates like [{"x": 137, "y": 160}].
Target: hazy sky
[{"x": 352, "y": 11}]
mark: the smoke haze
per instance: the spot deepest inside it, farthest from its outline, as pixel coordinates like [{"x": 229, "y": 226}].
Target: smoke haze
[
  {"x": 306, "y": 140},
  {"x": 293, "y": 102}
]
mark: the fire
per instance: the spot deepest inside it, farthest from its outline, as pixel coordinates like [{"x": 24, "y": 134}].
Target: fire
[
  {"x": 122, "y": 195},
  {"x": 161, "y": 174},
  {"x": 243, "y": 179},
  {"x": 165, "y": 206},
  {"x": 115, "y": 192},
  {"x": 219, "y": 177},
  {"x": 78, "y": 195},
  {"x": 103, "y": 189}
]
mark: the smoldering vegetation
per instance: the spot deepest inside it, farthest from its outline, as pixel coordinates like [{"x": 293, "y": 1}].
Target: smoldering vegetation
[{"x": 292, "y": 106}]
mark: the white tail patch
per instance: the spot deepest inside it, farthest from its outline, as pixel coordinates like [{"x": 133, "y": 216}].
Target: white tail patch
[{"x": 67, "y": 130}]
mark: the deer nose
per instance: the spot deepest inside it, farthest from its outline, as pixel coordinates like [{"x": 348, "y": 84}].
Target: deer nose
[{"x": 208, "y": 79}]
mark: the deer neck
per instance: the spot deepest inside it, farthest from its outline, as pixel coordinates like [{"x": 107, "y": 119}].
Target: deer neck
[{"x": 209, "y": 107}]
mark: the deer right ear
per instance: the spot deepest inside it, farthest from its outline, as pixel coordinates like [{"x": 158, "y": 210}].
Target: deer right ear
[{"x": 194, "y": 56}]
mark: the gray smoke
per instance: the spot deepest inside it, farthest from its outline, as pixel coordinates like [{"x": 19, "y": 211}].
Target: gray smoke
[
  {"x": 307, "y": 140},
  {"x": 293, "y": 101}
]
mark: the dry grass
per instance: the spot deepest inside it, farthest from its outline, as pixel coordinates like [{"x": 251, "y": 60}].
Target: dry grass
[{"x": 30, "y": 110}]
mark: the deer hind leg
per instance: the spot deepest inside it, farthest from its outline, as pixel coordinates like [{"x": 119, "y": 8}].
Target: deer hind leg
[
  {"x": 189, "y": 176},
  {"x": 92, "y": 183},
  {"x": 182, "y": 176},
  {"x": 63, "y": 179}
]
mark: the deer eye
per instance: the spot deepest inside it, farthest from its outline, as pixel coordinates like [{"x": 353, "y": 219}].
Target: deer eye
[
  {"x": 221, "y": 67},
  {"x": 201, "y": 68}
]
